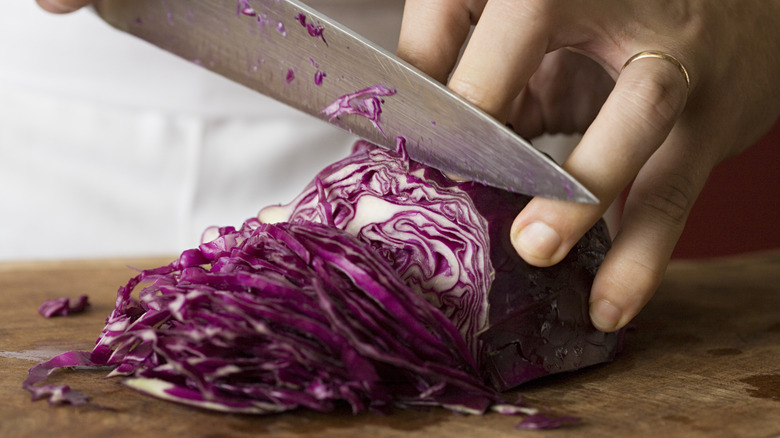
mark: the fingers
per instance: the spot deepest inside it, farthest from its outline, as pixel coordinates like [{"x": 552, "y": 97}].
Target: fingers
[
  {"x": 505, "y": 48},
  {"x": 62, "y": 6},
  {"x": 564, "y": 95},
  {"x": 432, "y": 33},
  {"x": 653, "y": 220},
  {"x": 637, "y": 117}
]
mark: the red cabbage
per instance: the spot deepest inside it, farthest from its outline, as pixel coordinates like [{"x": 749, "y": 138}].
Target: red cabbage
[
  {"x": 450, "y": 241},
  {"x": 315, "y": 30},
  {"x": 542, "y": 421},
  {"x": 432, "y": 235},
  {"x": 281, "y": 29},
  {"x": 63, "y": 307},
  {"x": 269, "y": 318},
  {"x": 243, "y": 7},
  {"x": 318, "y": 77},
  {"x": 57, "y": 394},
  {"x": 366, "y": 102},
  {"x": 384, "y": 283}
]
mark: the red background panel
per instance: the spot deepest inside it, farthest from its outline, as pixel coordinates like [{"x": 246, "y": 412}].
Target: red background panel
[{"x": 739, "y": 209}]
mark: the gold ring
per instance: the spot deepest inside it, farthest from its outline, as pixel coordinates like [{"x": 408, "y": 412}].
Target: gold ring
[{"x": 661, "y": 55}]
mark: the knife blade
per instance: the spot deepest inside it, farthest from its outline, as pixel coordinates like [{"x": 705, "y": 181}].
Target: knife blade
[{"x": 292, "y": 53}]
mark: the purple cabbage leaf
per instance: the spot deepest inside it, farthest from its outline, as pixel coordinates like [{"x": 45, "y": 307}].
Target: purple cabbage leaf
[{"x": 63, "y": 306}]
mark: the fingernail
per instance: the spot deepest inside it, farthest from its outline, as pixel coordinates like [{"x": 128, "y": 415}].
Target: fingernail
[
  {"x": 54, "y": 6},
  {"x": 538, "y": 240},
  {"x": 604, "y": 315}
]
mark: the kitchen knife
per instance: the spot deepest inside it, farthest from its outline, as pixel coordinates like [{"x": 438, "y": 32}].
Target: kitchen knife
[{"x": 292, "y": 53}]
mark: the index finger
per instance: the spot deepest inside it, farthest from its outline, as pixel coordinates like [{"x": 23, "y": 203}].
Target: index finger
[
  {"x": 432, "y": 33},
  {"x": 505, "y": 49}
]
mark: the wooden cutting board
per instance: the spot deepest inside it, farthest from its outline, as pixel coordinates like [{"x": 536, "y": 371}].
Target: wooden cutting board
[{"x": 703, "y": 359}]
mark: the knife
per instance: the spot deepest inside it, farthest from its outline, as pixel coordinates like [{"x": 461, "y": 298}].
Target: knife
[{"x": 294, "y": 54}]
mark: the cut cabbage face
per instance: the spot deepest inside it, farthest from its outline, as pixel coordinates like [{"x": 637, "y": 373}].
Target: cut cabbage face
[{"x": 449, "y": 241}]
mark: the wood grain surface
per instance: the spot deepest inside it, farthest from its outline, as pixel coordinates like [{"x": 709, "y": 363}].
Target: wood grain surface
[{"x": 702, "y": 360}]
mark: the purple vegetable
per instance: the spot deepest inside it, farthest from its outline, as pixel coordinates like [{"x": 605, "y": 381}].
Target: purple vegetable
[
  {"x": 543, "y": 421},
  {"x": 62, "y": 307},
  {"x": 57, "y": 394},
  {"x": 539, "y": 322},
  {"x": 269, "y": 318},
  {"x": 244, "y": 8},
  {"x": 318, "y": 77},
  {"x": 450, "y": 241},
  {"x": 384, "y": 283},
  {"x": 431, "y": 235},
  {"x": 366, "y": 102},
  {"x": 315, "y": 30},
  {"x": 281, "y": 29}
]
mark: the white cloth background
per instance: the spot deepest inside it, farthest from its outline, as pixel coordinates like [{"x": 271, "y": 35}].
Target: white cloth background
[{"x": 110, "y": 147}]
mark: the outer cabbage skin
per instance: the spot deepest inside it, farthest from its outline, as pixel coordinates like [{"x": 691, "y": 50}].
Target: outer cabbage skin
[
  {"x": 450, "y": 241},
  {"x": 539, "y": 320}
]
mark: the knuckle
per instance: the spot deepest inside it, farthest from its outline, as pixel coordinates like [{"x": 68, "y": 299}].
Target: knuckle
[
  {"x": 537, "y": 11},
  {"x": 640, "y": 279},
  {"x": 630, "y": 286},
  {"x": 425, "y": 58},
  {"x": 656, "y": 101},
  {"x": 482, "y": 95},
  {"x": 670, "y": 201}
]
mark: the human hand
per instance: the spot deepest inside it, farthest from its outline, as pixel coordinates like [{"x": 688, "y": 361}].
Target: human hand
[
  {"x": 557, "y": 66},
  {"x": 62, "y": 6}
]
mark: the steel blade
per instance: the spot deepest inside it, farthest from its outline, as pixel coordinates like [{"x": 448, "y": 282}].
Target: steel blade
[{"x": 292, "y": 53}]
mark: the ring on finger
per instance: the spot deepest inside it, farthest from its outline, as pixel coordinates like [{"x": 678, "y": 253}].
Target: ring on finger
[{"x": 664, "y": 56}]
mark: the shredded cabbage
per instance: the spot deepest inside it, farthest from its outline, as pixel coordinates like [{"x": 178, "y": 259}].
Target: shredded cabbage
[
  {"x": 366, "y": 103},
  {"x": 315, "y": 30},
  {"x": 63, "y": 307},
  {"x": 318, "y": 77},
  {"x": 269, "y": 318}
]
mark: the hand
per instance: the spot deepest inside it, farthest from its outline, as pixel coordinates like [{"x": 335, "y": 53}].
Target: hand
[
  {"x": 557, "y": 66},
  {"x": 62, "y": 6}
]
